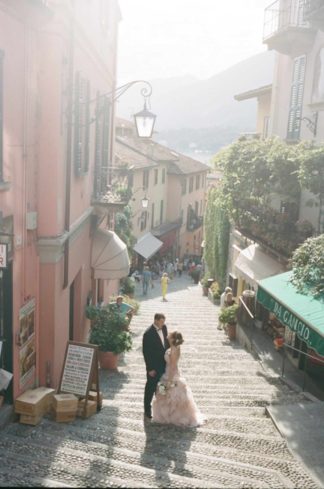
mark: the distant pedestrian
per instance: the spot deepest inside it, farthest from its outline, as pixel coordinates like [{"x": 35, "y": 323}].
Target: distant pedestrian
[
  {"x": 180, "y": 268},
  {"x": 170, "y": 269},
  {"x": 164, "y": 286},
  {"x": 146, "y": 279},
  {"x": 223, "y": 296},
  {"x": 229, "y": 299},
  {"x": 222, "y": 303}
]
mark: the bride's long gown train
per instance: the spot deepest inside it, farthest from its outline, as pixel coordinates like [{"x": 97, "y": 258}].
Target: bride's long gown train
[{"x": 176, "y": 406}]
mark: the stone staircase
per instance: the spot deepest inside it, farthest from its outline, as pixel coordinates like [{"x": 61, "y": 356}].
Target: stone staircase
[{"x": 238, "y": 447}]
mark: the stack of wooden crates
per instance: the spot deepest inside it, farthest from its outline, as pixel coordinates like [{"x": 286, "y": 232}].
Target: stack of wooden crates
[
  {"x": 33, "y": 404},
  {"x": 65, "y": 407}
]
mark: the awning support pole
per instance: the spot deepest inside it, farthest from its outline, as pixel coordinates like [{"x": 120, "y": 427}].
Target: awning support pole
[
  {"x": 304, "y": 379},
  {"x": 283, "y": 361}
]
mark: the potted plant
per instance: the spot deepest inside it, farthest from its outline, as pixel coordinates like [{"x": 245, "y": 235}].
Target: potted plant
[
  {"x": 109, "y": 332},
  {"x": 215, "y": 292},
  {"x": 195, "y": 275},
  {"x": 127, "y": 286},
  {"x": 204, "y": 284},
  {"x": 228, "y": 316}
]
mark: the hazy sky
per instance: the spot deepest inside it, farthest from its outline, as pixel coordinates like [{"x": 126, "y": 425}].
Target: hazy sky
[{"x": 165, "y": 38}]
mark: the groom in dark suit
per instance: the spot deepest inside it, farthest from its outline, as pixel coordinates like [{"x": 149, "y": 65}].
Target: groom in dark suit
[{"x": 155, "y": 344}]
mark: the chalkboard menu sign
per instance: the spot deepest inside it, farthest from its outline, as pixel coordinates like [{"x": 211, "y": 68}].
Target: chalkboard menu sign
[{"x": 80, "y": 369}]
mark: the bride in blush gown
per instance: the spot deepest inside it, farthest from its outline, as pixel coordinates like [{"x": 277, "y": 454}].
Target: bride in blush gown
[{"x": 174, "y": 402}]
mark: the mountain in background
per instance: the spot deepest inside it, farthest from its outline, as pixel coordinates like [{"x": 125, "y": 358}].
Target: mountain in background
[{"x": 200, "y": 116}]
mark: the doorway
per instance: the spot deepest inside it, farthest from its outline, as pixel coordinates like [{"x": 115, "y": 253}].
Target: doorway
[
  {"x": 71, "y": 312},
  {"x": 6, "y": 334}
]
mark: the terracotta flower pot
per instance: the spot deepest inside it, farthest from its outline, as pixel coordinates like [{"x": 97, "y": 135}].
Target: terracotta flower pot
[
  {"x": 231, "y": 331},
  {"x": 108, "y": 360}
]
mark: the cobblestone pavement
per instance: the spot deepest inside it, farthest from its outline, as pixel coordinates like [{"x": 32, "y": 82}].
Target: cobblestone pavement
[{"x": 237, "y": 447}]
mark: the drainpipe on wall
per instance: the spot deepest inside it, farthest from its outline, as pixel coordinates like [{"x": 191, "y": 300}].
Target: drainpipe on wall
[{"x": 69, "y": 152}]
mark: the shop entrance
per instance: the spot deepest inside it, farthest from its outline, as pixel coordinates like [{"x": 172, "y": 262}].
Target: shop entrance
[{"x": 6, "y": 335}]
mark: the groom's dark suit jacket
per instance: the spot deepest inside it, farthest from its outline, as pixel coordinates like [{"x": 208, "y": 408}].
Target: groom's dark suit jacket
[{"x": 153, "y": 350}]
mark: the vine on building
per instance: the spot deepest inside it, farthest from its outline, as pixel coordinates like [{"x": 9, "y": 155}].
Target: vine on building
[{"x": 217, "y": 231}]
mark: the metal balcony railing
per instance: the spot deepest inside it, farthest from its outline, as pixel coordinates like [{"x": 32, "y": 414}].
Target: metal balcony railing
[
  {"x": 278, "y": 18},
  {"x": 194, "y": 223}
]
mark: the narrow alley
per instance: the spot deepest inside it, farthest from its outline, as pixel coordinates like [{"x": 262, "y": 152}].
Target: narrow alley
[{"x": 238, "y": 446}]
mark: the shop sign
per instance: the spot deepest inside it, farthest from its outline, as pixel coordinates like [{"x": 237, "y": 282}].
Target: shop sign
[
  {"x": 3, "y": 256},
  {"x": 79, "y": 367},
  {"x": 27, "y": 353},
  {"x": 287, "y": 318}
]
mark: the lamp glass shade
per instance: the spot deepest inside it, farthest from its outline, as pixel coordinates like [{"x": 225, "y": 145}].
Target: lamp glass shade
[
  {"x": 144, "y": 122},
  {"x": 145, "y": 202}
]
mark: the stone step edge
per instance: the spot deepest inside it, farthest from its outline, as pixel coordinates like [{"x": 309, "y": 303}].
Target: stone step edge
[
  {"x": 139, "y": 470},
  {"x": 124, "y": 432},
  {"x": 202, "y": 429},
  {"x": 115, "y": 481},
  {"x": 242, "y": 465},
  {"x": 113, "y": 403},
  {"x": 215, "y": 429},
  {"x": 266, "y": 420}
]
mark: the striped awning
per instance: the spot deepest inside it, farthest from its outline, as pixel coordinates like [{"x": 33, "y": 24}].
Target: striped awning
[{"x": 109, "y": 255}]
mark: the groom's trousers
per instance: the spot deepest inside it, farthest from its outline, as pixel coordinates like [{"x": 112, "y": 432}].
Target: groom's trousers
[{"x": 150, "y": 389}]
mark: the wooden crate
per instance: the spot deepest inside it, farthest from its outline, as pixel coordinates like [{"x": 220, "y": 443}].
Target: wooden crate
[
  {"x": 93, "y": 396},
  {"x": 65, "y": 403},
  {"x": 33, "y": 420},
  {"x": 90, "y": 410},
  {"x": 64, "y": 416},
  {"x": 34, "y": 402}
]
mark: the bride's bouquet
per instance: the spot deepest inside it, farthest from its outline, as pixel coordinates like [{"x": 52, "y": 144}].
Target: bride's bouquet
[{"x": 163, "y": 387}]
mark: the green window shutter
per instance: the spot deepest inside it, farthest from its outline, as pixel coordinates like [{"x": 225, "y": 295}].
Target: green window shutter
[
  {"x": 77, "y": 153},
  {"x": 86, "y": 128},
  {"x": 296, "y": 98},
  {"x": 98, "y": 145},
  {"x": 105, "y": 149},
  {"x": 81, "y": 124}
]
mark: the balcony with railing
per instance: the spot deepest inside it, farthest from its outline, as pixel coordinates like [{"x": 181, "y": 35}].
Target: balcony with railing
[
  {"x": 314, "y": 13},
  {"x": 194, "y": 222},
  {"x": 285, "y": 28}
]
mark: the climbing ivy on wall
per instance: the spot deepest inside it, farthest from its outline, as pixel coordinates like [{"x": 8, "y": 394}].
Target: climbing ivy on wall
[{"x": 217, "y": 232}]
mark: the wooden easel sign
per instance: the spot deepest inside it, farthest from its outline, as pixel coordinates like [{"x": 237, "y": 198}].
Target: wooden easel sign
[{"x": 80, "y": 371}]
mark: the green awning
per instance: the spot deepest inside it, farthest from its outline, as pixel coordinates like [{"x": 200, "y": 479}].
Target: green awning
[{"x": 301, "y": 313}]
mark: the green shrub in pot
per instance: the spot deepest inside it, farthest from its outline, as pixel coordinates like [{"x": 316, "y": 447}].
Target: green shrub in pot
[{"x": 109, "y": 330}]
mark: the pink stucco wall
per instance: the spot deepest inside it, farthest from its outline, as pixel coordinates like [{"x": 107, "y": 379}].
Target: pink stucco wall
[{"x": 35, "y": 155}]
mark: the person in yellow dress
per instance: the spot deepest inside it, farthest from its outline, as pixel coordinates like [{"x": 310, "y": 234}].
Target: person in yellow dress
[{"x": 164, "y": 286}]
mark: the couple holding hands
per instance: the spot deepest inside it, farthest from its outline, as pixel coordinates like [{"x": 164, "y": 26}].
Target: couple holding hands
[{"x": 173, "y": 402}]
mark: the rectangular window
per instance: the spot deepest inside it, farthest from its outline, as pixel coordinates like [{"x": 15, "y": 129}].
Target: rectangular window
[
  {"x": 102, "y": 145},
  {"x": 1, "y": 114},
  {"x": 152, "y": 216},
  {"x": 163, "y": 175},
  {"x": 191, "y": 184},
  {"x": 146, "y": 174},
  {"x": 143, "y": 220},
  {"x": 81, "y": 124},
  {"x": 161, "y": 212},
  {"x": 197, "y": 182},
  {"x": 156, "y": 174},
  {"x": 183, "y": 186},
  {"x": 296, "y": 98},
  {"x": 196, "y": 208}
]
